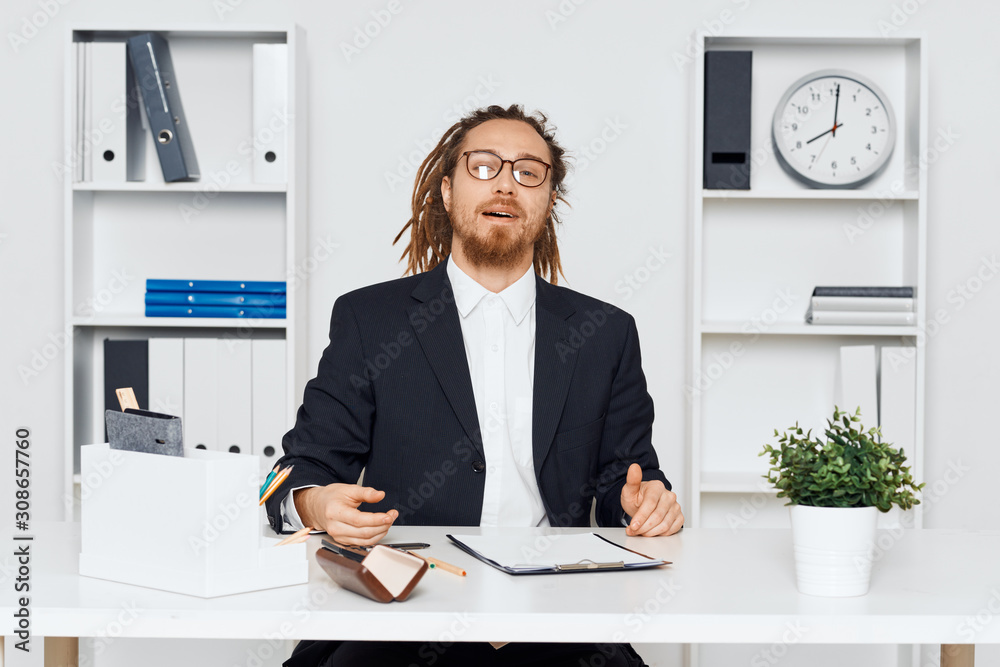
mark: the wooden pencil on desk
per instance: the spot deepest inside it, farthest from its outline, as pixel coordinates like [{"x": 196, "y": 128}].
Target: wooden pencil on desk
[
  {"x": 296, "y": 537},
  {"x": 442, "y": 565}
]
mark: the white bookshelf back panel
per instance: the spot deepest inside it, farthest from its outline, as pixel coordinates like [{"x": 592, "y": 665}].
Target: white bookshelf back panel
[
  {"x": 751, "y": 387},
  {"x": 178, "y": 236},
  {"x": 762, "y": 259}
]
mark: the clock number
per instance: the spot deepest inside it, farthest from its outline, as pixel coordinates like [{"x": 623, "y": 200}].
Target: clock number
[
  {"x": 868, "y": 112},
  {"x": 874, "y": 130},
  {"x": 853, "y": 161},
  {"x": 798, "y": 144},
  {"x": 854, "y": 98},
  {"x": 803, "y": 110},
  {"x": 816, "y": 97},
  {"x": 813, "y": 158},
  {"x": 833, "y": 165},
  {"x": 868, "y": 146},
  {"x": 795, "y": 126}
]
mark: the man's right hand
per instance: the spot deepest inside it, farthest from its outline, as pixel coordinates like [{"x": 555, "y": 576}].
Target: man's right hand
[{"x": 334, "y": 508}]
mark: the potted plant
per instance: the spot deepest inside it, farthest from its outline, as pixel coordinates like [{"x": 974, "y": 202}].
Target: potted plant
[{"x": 836, "y": 488}]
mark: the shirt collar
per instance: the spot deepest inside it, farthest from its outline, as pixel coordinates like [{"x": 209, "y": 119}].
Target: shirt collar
[{"x": 518, "y": 297}]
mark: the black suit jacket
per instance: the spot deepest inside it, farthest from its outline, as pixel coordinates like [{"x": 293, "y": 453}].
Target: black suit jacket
[{"x": 393, "y": 396}]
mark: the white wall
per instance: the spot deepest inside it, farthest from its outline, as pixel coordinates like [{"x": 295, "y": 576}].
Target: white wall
[{"x": 608, "y": 67}]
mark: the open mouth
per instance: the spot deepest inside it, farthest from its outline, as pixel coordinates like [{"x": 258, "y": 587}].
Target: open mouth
[{"x": 499, "y": 214}]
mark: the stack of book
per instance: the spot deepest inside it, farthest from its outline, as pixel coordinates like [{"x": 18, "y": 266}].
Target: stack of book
[
  {"x": 861, "y": 305},
  {"x": 215, "y": 298}
]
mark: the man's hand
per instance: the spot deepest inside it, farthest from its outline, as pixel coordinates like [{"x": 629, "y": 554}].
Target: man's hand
[
  {"x": 334, "y": 508},
  {"x": 654, "y": 509}
]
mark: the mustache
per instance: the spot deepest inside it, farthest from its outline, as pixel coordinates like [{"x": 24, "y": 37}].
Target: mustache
[{"x": 500, "y": 201}]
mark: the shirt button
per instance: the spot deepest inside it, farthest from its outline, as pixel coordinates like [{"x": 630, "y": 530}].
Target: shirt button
[
  {"x": 493, "y": 405},
  {"x": 492, "y": 470},
  {"x": 478, "y": 466},
  {"x": 495, "y": 348}
]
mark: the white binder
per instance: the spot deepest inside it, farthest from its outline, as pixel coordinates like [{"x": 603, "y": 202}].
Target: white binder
[
  {"x": 270, "y": 113},
  {"x": 166, "y": 376},
  {"x": 201, "y": 383},
  {"x": 115, "y": 121},
  {"x": 233, "y": 401},
  {"x": 898, "y": 397},
  {"x": 856, "y": 383},
  {"x": 268, "y": 388}
]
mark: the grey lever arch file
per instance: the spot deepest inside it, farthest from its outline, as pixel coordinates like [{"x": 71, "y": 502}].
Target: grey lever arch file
[{"x": 157, "y": 82}]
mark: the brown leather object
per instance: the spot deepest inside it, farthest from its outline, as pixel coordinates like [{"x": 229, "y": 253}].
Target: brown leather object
[{"x": 356, "y": 577}]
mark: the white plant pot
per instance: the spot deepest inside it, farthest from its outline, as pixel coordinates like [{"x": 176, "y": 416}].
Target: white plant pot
[{"x": 833, "y": 547}]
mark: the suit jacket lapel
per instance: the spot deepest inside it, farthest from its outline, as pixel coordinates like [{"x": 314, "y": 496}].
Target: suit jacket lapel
[
  {"x": 555, "y": 360},
  {"x": 436, "y": 325}
]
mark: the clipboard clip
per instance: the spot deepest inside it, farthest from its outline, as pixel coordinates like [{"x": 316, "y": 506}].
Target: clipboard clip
[{"x": 587, "y": 564}]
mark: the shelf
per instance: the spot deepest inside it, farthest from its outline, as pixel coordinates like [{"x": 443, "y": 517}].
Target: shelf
[
  {"x": 187, "y": 186},
  {"x": 796, "y": 329},
  {"x": 735, "y": 482},
  {"x": 188, "y": 322},
  {"x": 869, "y": 194}
]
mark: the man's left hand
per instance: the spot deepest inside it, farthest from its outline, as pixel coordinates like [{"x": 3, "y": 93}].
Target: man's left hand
[{"x": 653, "y": 508}]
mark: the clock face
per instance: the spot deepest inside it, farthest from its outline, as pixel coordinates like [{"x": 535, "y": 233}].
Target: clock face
[{"x": 834, "y": 129}]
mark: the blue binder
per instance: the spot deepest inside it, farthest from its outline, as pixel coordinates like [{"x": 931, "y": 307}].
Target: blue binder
[
  {"x": 215, "y": 311},
  {"x": 187, "y": 286},
  {"x": 214, "y": 299},
  {"x": 154, "y": 72}
]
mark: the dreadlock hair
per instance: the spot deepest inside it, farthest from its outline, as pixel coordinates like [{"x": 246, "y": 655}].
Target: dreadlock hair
[{"x": 430, "y": 227}]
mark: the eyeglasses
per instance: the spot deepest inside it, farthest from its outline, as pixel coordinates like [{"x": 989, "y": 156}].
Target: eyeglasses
[{"x": 486, "y": 166}]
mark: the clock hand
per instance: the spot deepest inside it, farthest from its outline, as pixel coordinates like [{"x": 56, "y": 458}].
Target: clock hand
[
  {"x": 836, "y": 106},
  {"x": 832, "y": 129},
  {"x": 820, "y": 154}
]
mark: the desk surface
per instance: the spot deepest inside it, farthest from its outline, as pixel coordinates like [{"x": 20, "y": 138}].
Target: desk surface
[{"x": 929, "y": 586}]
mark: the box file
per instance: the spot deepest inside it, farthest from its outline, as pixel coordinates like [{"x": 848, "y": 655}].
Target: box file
[
  {"x": 197, "y": 529},
  {"x": 270, "y": 113}
]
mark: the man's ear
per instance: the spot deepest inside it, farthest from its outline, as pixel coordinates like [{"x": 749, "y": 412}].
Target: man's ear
[
  {"x": 552, "y": 202},
  {"x": 446, "y": 193}
]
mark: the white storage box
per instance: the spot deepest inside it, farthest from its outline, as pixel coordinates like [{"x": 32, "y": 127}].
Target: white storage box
[{"x": 186, "y": 524}]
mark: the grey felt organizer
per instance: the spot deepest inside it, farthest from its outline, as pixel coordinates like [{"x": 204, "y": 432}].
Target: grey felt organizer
[{"x": 144, "y": 431}]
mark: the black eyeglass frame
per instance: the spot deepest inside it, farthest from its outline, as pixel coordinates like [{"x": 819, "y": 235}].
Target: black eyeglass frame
[{"x": 548, "y": 168}]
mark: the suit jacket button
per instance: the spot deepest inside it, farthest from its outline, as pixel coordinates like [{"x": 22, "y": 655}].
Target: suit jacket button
[{"x": 478, "y": 466}]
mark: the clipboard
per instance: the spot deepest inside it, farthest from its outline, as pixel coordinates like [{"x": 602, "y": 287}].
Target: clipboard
[{"x": 554, "y": 554}]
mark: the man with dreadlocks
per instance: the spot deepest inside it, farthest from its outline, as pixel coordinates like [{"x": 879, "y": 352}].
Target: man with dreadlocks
[{"x": 476, "y": 391}]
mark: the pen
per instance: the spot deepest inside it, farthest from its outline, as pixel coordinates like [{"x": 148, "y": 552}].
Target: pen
[
  {"x": 297, "y": 536},
  {"x": 270, "y": 476},
  {"x": 275, "y": 483}
]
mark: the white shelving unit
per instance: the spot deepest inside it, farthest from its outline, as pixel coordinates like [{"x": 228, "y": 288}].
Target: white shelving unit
[
  {"x": 755, "y": 256},
  {"x": 222, "y": 227}
]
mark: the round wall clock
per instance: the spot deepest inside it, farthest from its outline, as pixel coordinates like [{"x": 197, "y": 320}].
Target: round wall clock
[{"x": 833, "y": 129}]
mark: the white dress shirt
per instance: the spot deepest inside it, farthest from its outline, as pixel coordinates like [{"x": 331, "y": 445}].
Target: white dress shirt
[{"x": 499, "y": 335}]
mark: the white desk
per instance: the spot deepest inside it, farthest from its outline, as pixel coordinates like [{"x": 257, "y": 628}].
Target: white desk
[{"x": 930, "y": 586}]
